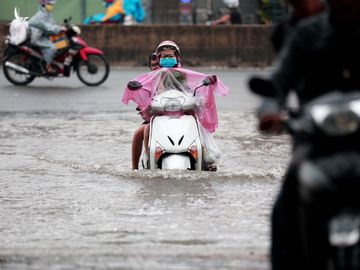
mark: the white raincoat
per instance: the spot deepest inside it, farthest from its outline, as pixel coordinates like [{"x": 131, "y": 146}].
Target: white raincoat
[{"x": 43, "y": 24}]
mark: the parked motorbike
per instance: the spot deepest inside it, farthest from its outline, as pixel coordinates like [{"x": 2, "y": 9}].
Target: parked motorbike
[
  {"x": 176, "y": 137},
  {"x": 24, "y": 62},
  {"x": 326, "y": 132}
]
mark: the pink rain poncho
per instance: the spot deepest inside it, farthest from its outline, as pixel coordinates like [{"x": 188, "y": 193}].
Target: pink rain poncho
[{"x": 184, "y": 80}]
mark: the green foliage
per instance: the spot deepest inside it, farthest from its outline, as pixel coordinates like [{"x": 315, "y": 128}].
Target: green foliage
[{"x": 271, "y": 11}]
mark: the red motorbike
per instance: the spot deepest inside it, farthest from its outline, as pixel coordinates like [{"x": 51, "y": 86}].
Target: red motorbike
[{"x": 24, "y": 62}]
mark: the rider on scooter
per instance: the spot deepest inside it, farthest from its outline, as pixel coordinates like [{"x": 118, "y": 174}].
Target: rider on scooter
[
  {"x": 42, "y": 25},
  {"x": 321, "y": 56},
  {"x": 141, "y": 135},
  {"x": 168, "y": 55}
]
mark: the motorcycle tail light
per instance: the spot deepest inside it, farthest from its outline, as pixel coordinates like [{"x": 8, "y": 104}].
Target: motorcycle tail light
[
  {"x": 194, "y": 151},
  {"x": 159, "y": 151}
]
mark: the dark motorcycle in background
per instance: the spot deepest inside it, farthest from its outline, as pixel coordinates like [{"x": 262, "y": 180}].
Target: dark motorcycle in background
[
  {"x": 326, "y": 183},
  {"x": 24, "y": 62}
]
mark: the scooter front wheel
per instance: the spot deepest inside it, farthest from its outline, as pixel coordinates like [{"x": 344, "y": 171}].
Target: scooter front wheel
[
  {"x": 94, "y": 71},
  {"x": 16, "y": 69}
]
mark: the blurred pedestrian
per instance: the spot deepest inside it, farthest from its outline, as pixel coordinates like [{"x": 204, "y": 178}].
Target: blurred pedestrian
[{"x": 233, "y": 15}]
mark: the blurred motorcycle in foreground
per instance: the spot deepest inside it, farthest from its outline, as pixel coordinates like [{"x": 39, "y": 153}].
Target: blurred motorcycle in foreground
[{"x": 324, "y": 178}]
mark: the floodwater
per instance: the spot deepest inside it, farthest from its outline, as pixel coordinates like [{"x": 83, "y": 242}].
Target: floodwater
[{"x": 70, "y": 201}]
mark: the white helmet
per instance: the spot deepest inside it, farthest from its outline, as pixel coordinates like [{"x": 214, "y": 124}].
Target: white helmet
[
  {"x": 168, "y": 44},
  {"x": 231, "y": 3}
]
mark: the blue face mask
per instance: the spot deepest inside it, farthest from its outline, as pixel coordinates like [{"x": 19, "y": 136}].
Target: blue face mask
[{"x": 168, "y": 62}]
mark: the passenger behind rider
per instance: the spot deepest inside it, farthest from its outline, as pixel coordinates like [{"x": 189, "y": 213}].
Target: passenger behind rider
[
  {"x": 153, "y": 62},
  {"x": 42, "y": 25},
  {"x": 142, "y": 131},
  {"x": 321, "y": 56}
]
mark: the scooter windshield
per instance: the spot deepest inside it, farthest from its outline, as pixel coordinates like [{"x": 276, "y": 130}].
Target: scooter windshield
[{"x": 191, "y": 82}]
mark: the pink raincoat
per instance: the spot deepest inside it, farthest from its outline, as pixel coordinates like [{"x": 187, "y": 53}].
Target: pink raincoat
[{"x": 182, "y": 79}]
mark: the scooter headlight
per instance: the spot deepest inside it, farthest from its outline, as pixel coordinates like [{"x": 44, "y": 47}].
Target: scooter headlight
[
  {"x": 335, "y": 121},
  {"x": 341, "y": 123},
  {"x": 173, "y": 104}
]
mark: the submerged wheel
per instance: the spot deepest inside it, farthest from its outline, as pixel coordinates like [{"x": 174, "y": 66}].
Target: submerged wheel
[
  {"x": 15, "y": 66},
  {"x": 94, "y": 71}
]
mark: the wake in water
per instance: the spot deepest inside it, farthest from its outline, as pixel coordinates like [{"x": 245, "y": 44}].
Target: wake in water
[
  {"x": 66, "y": 183},
  {"x": 101, "y": 143}
]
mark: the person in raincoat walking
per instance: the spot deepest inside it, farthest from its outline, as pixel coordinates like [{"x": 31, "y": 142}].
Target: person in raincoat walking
[{"x": 42, "y": 25}]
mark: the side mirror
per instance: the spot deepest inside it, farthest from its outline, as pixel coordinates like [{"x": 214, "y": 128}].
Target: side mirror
[
  {"x": 209, "y": 80},
  {"x": 262, "y": 87},
  {"x": 134, "y": 85}
]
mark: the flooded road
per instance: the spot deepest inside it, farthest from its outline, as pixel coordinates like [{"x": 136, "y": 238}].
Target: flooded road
[{"x": 70, "y": 201}]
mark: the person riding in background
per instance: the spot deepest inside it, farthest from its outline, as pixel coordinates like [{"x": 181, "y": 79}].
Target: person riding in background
[
  {"x": 233, "y": 15},
  {"x": 301, "y": 9},
  {"x": 321, "y": 56},
  {"x": 42, "y": 25}
]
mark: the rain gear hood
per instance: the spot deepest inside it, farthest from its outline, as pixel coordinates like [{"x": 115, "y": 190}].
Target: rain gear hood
[{"x": 42, "y": 25}]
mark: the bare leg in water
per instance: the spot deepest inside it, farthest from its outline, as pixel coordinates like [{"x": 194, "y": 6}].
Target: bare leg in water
[
  {"x": 136, "y": 147},
  {"x": 141, "y": 136}
]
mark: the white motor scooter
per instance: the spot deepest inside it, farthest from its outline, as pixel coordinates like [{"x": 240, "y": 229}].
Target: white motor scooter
[{"x": 175, "y": 140}]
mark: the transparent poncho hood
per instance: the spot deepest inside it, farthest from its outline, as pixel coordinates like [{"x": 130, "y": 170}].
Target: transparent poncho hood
[{"x": 158, "y": 81}]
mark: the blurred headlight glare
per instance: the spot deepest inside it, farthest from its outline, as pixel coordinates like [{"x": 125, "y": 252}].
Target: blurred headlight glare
[{"x": 340, "y": 123}]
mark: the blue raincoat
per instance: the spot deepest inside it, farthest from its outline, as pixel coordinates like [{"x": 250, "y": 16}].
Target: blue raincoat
[{"x": 135, "y": 9}]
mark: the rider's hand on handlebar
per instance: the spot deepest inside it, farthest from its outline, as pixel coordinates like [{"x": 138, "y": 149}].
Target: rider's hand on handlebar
[
  {"x": 145, "y": 113},
  {"x": 271, "y": 123},
  {"x": 270, "y": 118}
]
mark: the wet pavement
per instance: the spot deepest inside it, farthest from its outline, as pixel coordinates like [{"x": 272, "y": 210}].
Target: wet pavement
[{"x": 70, "y": 201}]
